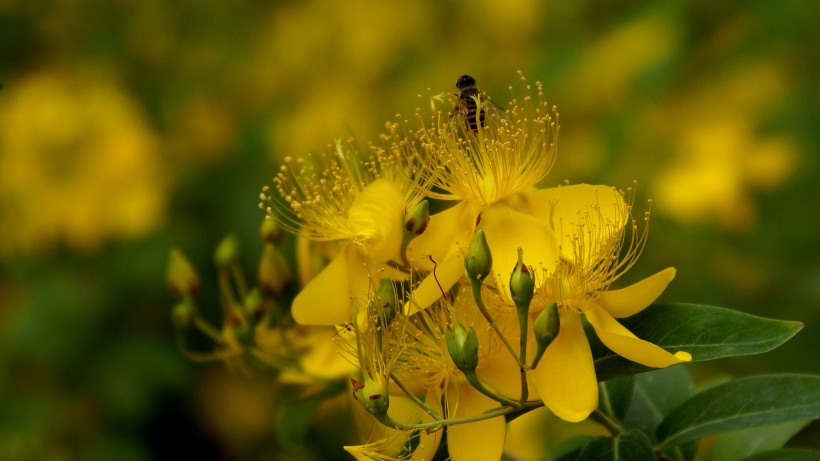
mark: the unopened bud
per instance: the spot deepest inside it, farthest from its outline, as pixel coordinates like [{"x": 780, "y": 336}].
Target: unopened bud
[
  {"x": 417, "y": 218},
  {"x": 463, "y": 347},
  {"x": 372, "y": 395},
  {"x": 387, "y": 299},
  {"x": 227, "y": 251},
  {"x": 522, "y": 284},
  {"x": 545, "y": 329},
  {"x": 184, "y": 313},
  {"x": 182, "y": 279},
  {"x": 274, "y": 271},
  {"x": 269, "y": 230},
  {"x": 254, "y": 305},
  {"x": 478, "y": 260}
]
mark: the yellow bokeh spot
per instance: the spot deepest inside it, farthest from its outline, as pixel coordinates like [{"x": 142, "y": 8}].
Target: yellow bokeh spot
[{"x": 78, "y": 165}]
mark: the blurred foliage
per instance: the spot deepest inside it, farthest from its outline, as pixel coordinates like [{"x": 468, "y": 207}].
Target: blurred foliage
[{"x": 129, "y": 127}]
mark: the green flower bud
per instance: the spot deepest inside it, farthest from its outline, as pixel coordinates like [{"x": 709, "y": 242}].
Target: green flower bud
[
  {"x": 182, "y": 279},
  {"x": 387, "y": 299},
  {"x": 254, "y": 306},
  {"x": 227, "y": 251},
  {"x": 269, "y": 230},
  {"x": 274, "y": 272},
  {"x": 545, "y": 329},
  {"x": 184, "y": 313},
  {"x": 372, "y": 395},
  {"x": 417, "y": 218},
  {"x": 522, "y": 284},
  {"x": 463, "y": 347},
  {"x": 478, "y": 260}
]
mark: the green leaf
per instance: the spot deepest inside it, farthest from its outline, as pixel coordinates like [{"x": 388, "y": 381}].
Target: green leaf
[
  {"x": 706, "y": 332},
  {"x": 569, "y": 449},
  {"x": 743, "y": 403},
  {"x": 740, "y": 444},
  {"x": 615, "y": 395},
  {"x": 655, "y": 395},
  {"x": 631, "y": 445},
  {"x": 786, "y": 454}
]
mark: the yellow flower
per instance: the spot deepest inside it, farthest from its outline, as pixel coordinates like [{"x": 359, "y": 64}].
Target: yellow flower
[
  {"x": 357, "y": 202},
  {"x": 488, "y": 171},
  {"x": 427, "y": 363},
  {"x": 591, "y": 221}
]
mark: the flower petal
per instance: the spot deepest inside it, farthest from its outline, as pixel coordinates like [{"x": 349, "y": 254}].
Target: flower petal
[
  {"x": 477, "y": 440},
  {"x": 435, "y": 285},
  {"x": 327, "y": 298},
  {"x": 507, "y": 230},
  {"x": 621, "y": 341},
  {"x": 447, "y": 231},
  {"x": 601, "y": 210},
  {"x": 635, "y": 298},
  {"x": 565, "y": 377},
  {"x": 376, "y": 216},
  {"x": 406, "y": 411}
]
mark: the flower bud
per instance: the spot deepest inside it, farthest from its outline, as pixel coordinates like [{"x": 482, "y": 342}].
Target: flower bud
[
  {"x": 227, "y": 251},
  {"x": 417, "y": 218},
  {"x": 254, "y": 306},
  {"x": 181, "y": 277},
  {"x": 372, "y": 395},
  {"x": 269, "y": 230},
  {"x": 387, "y": 299},
  {"x": 478, "y": 260},
  {"x": 545, "y": 329},
  {"x": 184, "y": 313},
  {"x": 274, "y": 271},
  {"x": 522, "y": 284},
  {"x": 463, "y": 347}
]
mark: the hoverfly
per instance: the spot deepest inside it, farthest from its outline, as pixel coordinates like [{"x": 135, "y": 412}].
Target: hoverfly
[{"x": 467, "y": 105}]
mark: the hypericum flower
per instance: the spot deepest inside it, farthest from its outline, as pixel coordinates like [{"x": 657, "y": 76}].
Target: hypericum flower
[
  {"x": 342, "y": 197},
  {"x": 427, "y": 364},
  {"x": 591, "y": 221},
  {"x": 487, "y": 170}
]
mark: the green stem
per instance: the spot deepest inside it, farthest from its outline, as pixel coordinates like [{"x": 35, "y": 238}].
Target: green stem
[
  {"x": 599, "y": 417},
  {"x": 522, "y": 357},
  {"x": 494, "y": 413},
  {"x": 474, "y": 381},
  {"x": 206, "y": 328},
  {"x": 476, "y": 286},
  {"x": 428, "y": 409},
  {"x": 239, "y": 280}
]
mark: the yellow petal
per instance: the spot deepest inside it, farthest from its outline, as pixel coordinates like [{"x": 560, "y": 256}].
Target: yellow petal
[
  {"x": 566, "y": 207},
  {"x": 436, "y": 284},
  {"x": 404, "y": 410},
  {"x": 565, "y": 377},
  {"x": 327, "y": 299},
  {"x": 507, "y": 230},
  {"x": 447, "y": 231},
  {"x": 635, "y": 298},
  {"x": 621, "y": 341},
  {"x": 478, "y": 440},
  {"x": 376, "y": 216}
]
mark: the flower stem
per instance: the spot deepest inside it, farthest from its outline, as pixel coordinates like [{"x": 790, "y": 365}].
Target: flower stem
[
  {"x": 599, "y": 417},
  {"x": 435, "y": 425},
  {"x": 428, "y": 409},
  {"x": 476, "y": 383},
  {"x": 476, "y": 286}
]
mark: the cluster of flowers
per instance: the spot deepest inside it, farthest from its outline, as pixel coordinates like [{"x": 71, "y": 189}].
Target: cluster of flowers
[{"x": 457, "y": 319}]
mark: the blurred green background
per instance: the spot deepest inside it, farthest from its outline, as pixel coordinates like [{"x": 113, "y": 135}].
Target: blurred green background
[{"x": 129, "y": 127}]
